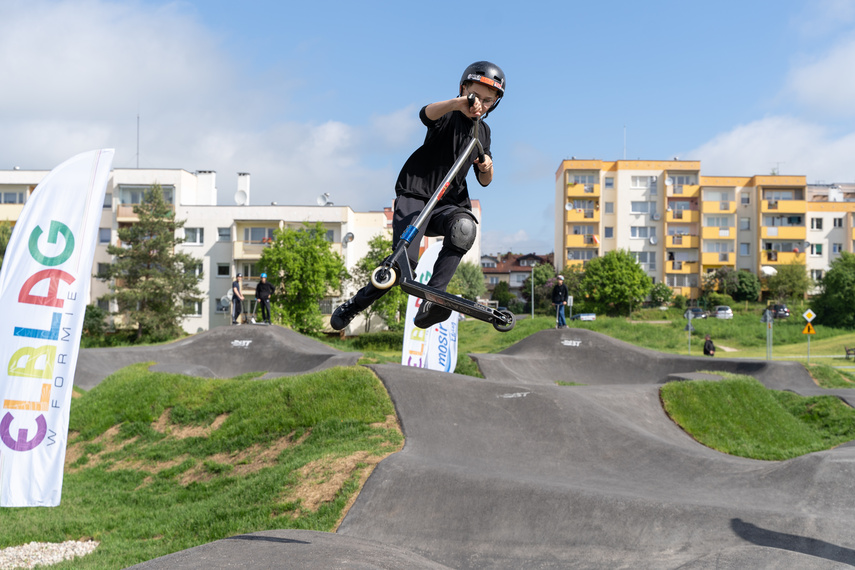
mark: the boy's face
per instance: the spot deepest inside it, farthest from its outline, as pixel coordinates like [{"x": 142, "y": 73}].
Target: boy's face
[{"x": 486, "y": 98}]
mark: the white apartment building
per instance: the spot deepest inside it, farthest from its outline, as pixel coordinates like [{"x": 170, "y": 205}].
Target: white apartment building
[{"x": 226, "y": 239}]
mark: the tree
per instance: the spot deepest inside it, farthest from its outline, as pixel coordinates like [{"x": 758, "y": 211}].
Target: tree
[
  {"x": 502, "y": 293},
  {"x": 153, "y": 285},
  {"x": 835, "y": 304},
  {"x": 724, "y": 280},
  {"x": 615, "y": 283},
  {"x": 391, "y": 307},
  {"x": 544, "y": 280},
  {"x": 660, "y": 294},
  {"x": 748, "y": 286},
  {"x": 5, "y": 236},
  {"x": 790, "y": 282},
  {"x": 304, "y": 269},
  {"x": 468, "y": 281}
]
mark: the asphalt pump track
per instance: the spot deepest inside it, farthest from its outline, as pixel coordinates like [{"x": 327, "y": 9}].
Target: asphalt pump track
[{"x": 517, "y": 471}]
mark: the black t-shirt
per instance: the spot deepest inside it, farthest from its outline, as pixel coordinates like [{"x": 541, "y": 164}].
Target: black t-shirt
[{"x": 446, "y": 138}]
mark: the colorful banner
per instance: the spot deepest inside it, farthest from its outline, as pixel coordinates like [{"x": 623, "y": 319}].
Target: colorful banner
[
  {"x": 434, "y": 348},
  {"x": 44, "y": 290}
]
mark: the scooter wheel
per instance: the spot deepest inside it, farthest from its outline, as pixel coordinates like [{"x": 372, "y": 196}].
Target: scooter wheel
[
  {"x": 383, "y": 277},
  {"x": 505, "y": 327}
]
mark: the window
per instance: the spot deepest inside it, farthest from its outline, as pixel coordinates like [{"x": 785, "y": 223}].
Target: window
[
  {"x": 194, "y": 308},
  {"x": 836, "y": 248},
  {"x": 257, "y": 235},
  {"x": 493, "y": 280},
  {"x": 641, "y": 182},
  {"x": 678, "y": 280},
  {"x": 816, "y": 223},
  {"x": 838, "y": 222},
  {"x": 222, "y": 307},
  {"x": 581, "y": 254},
  {"x": 223, "y": 270},
  {"x": 816, "y": 249},
  {"x": 608, "y": 232},
  {"x": 108, "y": 200},
  {"x": 744, "y": 223},
  {"x": 643, "y": 207},
  {"x": 647, "y": 259},
  {"x": 103, "y": 235},
  {"x": 13, "y": 197},
  {"x": 610, "y": 207},
  {"x": 104, "y": 304},
  {"x": 224, "y": 234},
  {"x": 488, "y": 263},
  {"x": 194, "y": 236},
  {"x": 102, "y": 268},
  {"x": 642, "y": 232},
  {"x": 610, "y": 182},
  {"x": 718, "y": 221},
  {"x": 816, "y": 274},
  {"x": 745, "y": 198},
  {"x": 744, "y": 249},
  {"x": 195, "y": 270}
]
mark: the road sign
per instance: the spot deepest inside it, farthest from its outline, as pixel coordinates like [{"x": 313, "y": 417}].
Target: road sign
[
  {"x": 809, "y": 329},
  {"x": 809, "y": 315}
]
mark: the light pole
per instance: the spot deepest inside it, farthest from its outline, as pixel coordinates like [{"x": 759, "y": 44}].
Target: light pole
[{"x": 532, "y": 289}]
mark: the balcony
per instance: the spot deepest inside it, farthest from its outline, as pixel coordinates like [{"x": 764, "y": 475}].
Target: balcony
[
  {"x": 769, "y": 257},
  {"x": 248, "y": 250},
  {"x": 718, "y": 207},
  {"x": 582, "y": 215},
  {"x": 683, "y": 241},
  {"x": 583, "y": 191},
  {"x": 681, "y": 267},
  {"x": 687, "y": 292},
  {"x": 585, "y": 240},
  {"x": 716, "y": 232},
  {"x": 683, "y": 216},
  {"x": 684, "y": 191},
  {"x": 783, "y": 207},
  {"x": 718, "y": 258},
  {"x": 795, "y": 233},
  {"x": 125, "y": 213},
  {"x": 11, "y": 212}
]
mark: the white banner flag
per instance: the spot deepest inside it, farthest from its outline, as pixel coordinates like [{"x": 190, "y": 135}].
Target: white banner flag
[
  {"x": 434, "y": 348},
  {"x": 44, "y": 289}
]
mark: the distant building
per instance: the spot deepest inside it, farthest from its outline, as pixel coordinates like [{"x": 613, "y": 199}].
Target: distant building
[
  {"x": 226, "y": 239},
  {"x": 511, "y": 268},
  {"x": 681, "y": 225}
]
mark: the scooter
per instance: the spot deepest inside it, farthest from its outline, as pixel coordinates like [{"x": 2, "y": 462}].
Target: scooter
[{"x": 396, "y": 268}]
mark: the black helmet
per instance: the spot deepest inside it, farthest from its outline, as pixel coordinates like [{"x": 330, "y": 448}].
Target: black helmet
[{"x": 488, "y": 74}]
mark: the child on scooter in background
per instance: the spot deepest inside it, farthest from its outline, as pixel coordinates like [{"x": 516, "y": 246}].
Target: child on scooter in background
[{"x": 449, "y": 128}]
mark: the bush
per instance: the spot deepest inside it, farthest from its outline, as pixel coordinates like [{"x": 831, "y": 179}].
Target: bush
[
  {"x": 680, "y": 302},
  {"x": 719, "y": 299}
]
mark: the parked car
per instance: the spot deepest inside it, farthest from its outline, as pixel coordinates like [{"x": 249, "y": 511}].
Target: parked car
[
  {"x": 722, "y": 312},
  {"x": 696, "y": 312},
  {"x": 780, "y": 311},
  {"x": 584, "y": 317}
]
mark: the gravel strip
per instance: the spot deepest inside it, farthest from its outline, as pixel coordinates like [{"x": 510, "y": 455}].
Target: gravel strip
[{"x": 43, "y": 553}]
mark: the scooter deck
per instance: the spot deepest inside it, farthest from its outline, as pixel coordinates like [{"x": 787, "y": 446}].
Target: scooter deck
[{"x": 455, "y": 303}]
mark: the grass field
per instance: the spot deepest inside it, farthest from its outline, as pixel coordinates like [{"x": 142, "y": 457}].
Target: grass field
[{"x": 161, "y": 462}]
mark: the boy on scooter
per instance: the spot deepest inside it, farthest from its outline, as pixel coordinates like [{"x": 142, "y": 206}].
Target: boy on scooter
[{"x": 449, "y": 127}]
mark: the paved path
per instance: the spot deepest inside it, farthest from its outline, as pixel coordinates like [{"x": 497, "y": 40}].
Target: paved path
[{"x": 515, "y": 471}]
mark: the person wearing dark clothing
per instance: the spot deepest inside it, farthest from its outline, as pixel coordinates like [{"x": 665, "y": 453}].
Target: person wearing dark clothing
[
  {"x": 449, "y": 129},
  {"x": 263, "y": 291},
  {"x": 559, "y": 300},
  {"x": 237, "y": 299},
  {"x": 709, "y": 347}
]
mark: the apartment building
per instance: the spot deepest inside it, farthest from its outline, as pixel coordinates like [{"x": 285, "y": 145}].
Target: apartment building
[{"x": 681, "y": 225}]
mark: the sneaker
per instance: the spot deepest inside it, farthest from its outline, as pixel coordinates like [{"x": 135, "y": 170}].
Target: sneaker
[
  {"x": 345, "y": 313},
  {"x": 430, "y": 314}
]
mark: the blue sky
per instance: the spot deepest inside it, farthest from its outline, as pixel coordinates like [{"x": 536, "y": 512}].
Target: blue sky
[{"x": 313, "y": 97}]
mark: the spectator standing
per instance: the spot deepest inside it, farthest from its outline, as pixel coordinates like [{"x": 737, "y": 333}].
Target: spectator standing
[{"x": 559, "y": 300}]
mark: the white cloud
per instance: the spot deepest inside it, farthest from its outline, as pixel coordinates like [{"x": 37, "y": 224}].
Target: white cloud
[
  {"x": 518, "y": 242},
  {"x": 827, "y": 84},
  {"x": 75, "y": 74},
  {"x": 790, "y": 145}
]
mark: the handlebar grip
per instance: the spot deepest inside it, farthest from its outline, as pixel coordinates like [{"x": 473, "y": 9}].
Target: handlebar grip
[{"x": 471, "y": 99}]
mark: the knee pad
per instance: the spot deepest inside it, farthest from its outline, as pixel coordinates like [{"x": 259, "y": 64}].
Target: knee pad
[{"x": 461, "y": 230}]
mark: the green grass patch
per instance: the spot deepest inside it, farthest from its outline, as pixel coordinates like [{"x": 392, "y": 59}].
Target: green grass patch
[
  {"x": 159, "y": 462},
  {"x": 829, "y": 377},
  {"x": 739, "y": 416}
]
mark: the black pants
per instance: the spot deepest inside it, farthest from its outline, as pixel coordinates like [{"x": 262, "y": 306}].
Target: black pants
[
  {"x": 265, "y": 309},
  {"x": 407, "y": 209},
  {"x": 237, "y": 309}
]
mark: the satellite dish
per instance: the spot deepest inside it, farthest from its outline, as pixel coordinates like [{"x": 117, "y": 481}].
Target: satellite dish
[
  {"x": 653, "y": 240},
  {"x": 768, "y": 270},
  {"x": 324, "y": 199},
  {"x": 568, "y": 206},
  {"x": 669, "y": 181},
  {"x": 241, "y": 197},
  {"x": 224, "y": 300},
  {"x": 348, "y": 237}
]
